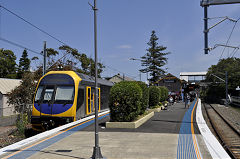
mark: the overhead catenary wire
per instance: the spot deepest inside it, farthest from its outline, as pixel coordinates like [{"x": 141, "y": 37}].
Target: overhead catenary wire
[
  {"x": 229, "y": 38},
  {"x": 20, "y": 46},
  {"x": 114, "y": 69},
  {"x": 41, "y": 30},
  {"x": 234, "y": 52},
  {"x": 38, "y": 28}
]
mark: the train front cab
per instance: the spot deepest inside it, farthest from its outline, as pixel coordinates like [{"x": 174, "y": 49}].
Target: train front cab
[
  {"x": 64, "y": 96},
  {"x": 55, "y": 100}
]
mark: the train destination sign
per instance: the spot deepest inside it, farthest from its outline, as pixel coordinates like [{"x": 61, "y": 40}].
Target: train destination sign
[{"x": 218, "y": 2}]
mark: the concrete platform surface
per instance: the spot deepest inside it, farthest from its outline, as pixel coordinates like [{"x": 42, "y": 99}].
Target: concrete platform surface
[
  {"x": 158, "y": 138},
  {"x": 113, "y": 145}
]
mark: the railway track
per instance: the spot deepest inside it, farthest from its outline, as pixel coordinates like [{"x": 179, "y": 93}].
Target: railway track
[{"x": 228, "y": 136}]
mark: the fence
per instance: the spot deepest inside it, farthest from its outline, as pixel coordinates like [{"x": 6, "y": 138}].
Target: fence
[
  {"x": 235, "y": 100},
  {"x": 11, "y": 119}
]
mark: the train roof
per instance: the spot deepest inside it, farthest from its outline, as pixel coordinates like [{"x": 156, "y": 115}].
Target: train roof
[{"x": 100, "y": 81}]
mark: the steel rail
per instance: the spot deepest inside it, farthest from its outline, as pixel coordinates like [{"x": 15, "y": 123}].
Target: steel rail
[
  {"x": 227, "y": 122},
  {"x": 223, "y": 143}
]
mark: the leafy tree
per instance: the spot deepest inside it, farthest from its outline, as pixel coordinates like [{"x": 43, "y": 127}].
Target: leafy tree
[
  {"x": 85, "y": 63},
  {"x": 91, "y": 69},
  {"x": 24, "y": 64},
  {"x": 70, "y": 60},
  {"x": 7, "y": 64},
  {"x": 217, "y": 88},
  {"x": 22, "y": 95},
  {"x": 155, "y": 59}
]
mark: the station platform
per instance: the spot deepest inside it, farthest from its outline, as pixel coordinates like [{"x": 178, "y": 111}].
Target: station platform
[{"x": 169, "y": 134}]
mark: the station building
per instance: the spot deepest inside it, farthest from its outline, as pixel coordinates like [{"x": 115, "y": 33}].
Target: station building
[
  {"x": 173, "y": 83},
  {"x": 6, "y": 85}
]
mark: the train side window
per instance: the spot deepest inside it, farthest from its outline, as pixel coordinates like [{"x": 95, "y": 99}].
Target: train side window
[
  {"x": 88, "y": 100},
  {"x": 64, "y": 93},
  {"x": 80, "y": 98}
]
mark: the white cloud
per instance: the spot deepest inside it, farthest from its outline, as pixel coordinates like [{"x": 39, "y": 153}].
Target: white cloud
[{"x": 124, "y": 47}]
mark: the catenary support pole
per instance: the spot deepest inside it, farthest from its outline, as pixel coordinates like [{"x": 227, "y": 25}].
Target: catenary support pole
[
  {"x": 226, "y": 80},
  {"x": 44, "y": 57},
  {"x": 96, "y": 150},
  {"x": 206, "y": 29}
]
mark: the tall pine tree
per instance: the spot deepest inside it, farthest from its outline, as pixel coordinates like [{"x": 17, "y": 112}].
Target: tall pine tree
[
  {"x": 7, "y": 64},
  {"x": 154, "y": 59},
  {"x": 24, "y": 64}
]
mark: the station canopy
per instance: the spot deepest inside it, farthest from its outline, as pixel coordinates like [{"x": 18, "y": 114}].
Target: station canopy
[{"x": 218, "y": 2}]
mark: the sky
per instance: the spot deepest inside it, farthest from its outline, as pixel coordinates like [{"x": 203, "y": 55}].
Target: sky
[{"x": 124, "y": 29}]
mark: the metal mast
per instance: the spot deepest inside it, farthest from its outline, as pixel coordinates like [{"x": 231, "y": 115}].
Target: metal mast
[{"x": 96, "y": 150}]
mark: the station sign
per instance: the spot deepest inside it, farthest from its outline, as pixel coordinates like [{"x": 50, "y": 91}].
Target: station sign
[{"x": 169, "y": 80}]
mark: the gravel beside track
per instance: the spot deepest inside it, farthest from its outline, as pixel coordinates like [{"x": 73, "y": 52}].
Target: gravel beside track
[
  {"x": 230, "y": 114},
  {"x": 225, "y": 128}
]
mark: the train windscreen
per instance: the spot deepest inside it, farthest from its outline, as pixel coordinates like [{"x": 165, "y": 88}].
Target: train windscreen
[
  {"x": 39, "y": 92},
  {"x": 64, "y": 93},
  {"x": 57, "y": 88}
]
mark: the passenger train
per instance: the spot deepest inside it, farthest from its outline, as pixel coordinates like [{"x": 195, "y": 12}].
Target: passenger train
[{"x": 65, "y": 96}]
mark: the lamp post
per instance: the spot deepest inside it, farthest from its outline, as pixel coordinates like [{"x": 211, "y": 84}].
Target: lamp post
[
  {"x": 135, "y": 59},
  {"x": 96, "y": 150}
]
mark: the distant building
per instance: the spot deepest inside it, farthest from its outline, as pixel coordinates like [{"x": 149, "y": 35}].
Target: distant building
[
  {"x": 118, "y": 78},
  {"x": 173, "y": 83},
  {"x": 193, "y": 76},
  {"x": 6, "y": 85}
]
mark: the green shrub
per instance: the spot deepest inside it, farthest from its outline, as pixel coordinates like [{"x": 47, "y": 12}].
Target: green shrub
[
  {"x": 21, "y": 123},
  {"x": 125, "y": 101},
  {"x": 145, "y": 96},
  {"x": 154, "y": 96},
  {"x": 160, "y": 104},
  {"x": 164, "y": 94}
]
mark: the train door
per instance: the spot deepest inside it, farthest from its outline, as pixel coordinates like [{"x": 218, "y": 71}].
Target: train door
[
  {"x": 88, "y": 100},
  {"x": 93, "y": 100},
  {"x": 80, "y": 109},
  {"x": 99, "y": 99}
]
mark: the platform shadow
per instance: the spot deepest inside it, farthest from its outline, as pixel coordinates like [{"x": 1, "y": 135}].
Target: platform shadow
[{"x": 49, "y": 152}]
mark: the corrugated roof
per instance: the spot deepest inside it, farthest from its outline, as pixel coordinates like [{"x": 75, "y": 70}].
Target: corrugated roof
[
  {"x": 124, "y": 77},
  {"x": 6, "y": 85},
  {"x": 92, "y": 79}
]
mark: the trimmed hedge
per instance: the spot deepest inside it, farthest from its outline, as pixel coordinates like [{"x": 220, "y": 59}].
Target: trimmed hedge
[
  {"x": 164, "y": 93},
  {"x": 154, "y": 96},
  {"x": 125, "y": 101},
  {"x": 145, "y": 96}
]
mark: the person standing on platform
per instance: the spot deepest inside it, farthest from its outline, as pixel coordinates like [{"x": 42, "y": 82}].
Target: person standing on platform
[
  {"x": 185, "y": 99},
  {"x": 188, "y": 100}
]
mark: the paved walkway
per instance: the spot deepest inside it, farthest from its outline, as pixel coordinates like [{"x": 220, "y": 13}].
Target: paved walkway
[{"x": 157, "y": 138}]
